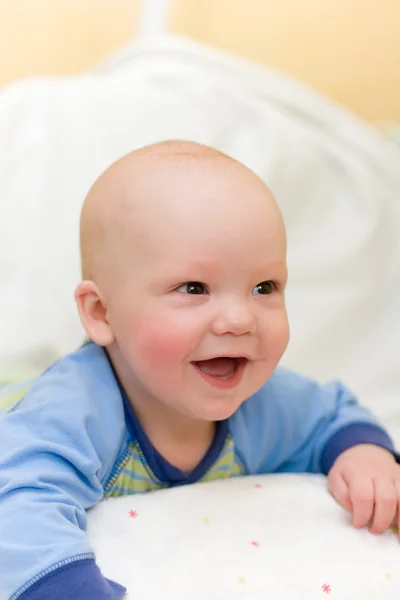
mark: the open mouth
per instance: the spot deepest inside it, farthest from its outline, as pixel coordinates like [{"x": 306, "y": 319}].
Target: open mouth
[{"x": 221, "y": 371}]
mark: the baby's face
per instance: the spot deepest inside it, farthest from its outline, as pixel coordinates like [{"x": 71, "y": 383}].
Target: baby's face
[{"x": 198, "y": 313}]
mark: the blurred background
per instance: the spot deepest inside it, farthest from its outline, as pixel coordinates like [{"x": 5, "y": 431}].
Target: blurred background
[{"x": 347, "y": 49}]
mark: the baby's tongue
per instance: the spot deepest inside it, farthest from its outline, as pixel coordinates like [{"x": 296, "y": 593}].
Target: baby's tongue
[{"x": 218, "y": 367}]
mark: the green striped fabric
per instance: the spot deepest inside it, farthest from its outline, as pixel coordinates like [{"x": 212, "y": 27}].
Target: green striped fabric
[
  {"x": 13, "y": 387},
  {"x": 134, "y": 476}
]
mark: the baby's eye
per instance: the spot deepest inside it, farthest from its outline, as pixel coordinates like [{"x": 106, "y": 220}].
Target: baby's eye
[
  {"x": 192, "y": 287},
  {"x": 265, "y": 288}
]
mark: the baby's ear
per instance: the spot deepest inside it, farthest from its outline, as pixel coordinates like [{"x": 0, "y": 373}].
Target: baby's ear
[{"x": 93, "y": 313}]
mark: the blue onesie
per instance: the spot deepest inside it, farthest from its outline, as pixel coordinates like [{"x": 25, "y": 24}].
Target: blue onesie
[{"x": 74, "y": 439}]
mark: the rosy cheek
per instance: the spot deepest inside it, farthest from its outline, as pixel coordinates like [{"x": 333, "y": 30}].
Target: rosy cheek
[
  {"x": 281, "y": 335},
  {"x": 159, "y": 342}
]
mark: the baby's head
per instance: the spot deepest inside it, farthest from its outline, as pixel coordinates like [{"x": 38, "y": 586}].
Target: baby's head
[{"x": 184, "y": 271}]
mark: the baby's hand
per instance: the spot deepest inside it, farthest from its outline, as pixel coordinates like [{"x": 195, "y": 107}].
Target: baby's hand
[{"x": 365, "y": 480}]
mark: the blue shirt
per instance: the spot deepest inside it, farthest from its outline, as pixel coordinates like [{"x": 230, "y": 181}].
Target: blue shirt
[{"x": 74, "y": 438}]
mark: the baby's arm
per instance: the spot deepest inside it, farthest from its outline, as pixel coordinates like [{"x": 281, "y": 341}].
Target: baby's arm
[
  {"x": 296, "y": 425},
  {"x": 53, "y": 453}
]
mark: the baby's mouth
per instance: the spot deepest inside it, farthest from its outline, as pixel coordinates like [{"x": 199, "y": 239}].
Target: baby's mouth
[{"x": 221, "y": 367}]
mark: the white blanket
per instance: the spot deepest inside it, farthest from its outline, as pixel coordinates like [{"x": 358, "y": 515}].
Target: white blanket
[{"x": 279, "y": 537}]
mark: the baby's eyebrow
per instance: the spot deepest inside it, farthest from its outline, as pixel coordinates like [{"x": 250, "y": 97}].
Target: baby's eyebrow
[
  {"x": 203, "y": 269},
  {"x": 197, "y": 265}
]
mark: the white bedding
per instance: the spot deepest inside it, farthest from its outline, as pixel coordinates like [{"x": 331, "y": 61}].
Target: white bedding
[
  {"x": 338, "y": 183},
  {"x": 279, "y": 537}
]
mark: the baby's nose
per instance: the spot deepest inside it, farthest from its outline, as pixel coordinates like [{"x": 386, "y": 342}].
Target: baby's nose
[{"x": 235, "y": 318}]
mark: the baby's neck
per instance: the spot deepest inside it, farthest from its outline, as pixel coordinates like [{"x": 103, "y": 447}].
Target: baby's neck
[{"x": 183, "y": 445}]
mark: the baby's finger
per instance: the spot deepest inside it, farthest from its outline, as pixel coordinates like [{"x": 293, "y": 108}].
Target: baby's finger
[
  {"x": 362, "y": 495},
  {"x": 340, "y": 490},
  {"x": 385, "y": 505}
]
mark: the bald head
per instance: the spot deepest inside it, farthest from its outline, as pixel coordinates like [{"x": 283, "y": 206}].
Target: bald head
[{"x": 155, "y": 183}]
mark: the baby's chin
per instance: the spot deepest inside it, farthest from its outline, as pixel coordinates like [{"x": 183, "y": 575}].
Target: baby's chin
[{"x": 216, "y": 409}]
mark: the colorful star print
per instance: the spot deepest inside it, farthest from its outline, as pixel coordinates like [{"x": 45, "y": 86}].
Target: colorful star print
[
  {"x": 241, "y": 580},
  {"x": 258, "y": 485},
  {"x": 133, "y": 514},
  {"x": 255, "y": 544},
  {"x": 326, "y": 588}
]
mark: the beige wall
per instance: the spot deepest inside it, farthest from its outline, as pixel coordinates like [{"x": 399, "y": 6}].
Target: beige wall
[
  {"x": 349, "y": 49},
  {"x": 61, "y": 36}
]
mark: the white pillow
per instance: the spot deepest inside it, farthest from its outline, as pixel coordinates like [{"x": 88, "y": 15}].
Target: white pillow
[
  {"x": 336, "y": 179},
  {"x": 278, "y": 537}
]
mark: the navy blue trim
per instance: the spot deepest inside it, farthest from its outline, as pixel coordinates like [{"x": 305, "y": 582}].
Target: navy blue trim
[
  {"x": 78, "y": 580},
  {"x": 165, "y": 472},
  {"x": 352, "y": 435}
]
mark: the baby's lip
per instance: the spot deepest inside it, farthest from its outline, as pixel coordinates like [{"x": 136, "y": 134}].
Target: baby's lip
[
  {"x": 238, "y": 357},
  {"x": 221, "y": 366}
]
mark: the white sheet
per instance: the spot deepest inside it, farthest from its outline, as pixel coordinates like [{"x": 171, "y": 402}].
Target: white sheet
[{"x": 284, "y": 539}]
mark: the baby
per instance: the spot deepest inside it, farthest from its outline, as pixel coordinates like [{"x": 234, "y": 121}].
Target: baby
[{"x": 182, "y": 297}]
